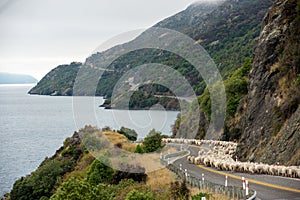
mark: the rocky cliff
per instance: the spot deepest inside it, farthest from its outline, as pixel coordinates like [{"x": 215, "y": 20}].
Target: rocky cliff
[{"x": 269, "y": 116}]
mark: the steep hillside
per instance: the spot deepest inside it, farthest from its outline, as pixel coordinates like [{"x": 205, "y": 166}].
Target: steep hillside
[
  {"x": 269, "y": 117},
  {"x": 58, "y": 82},
  {"x": 74, "y": 173},
  {"x": 228, "y": 31}
]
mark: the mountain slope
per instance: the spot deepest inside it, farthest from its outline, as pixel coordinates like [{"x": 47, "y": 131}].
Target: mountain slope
[
  {"x": 227, "y": 30},
  {"x": 7, "y": 78},
  {"x": 58, "y": 81},
  {"x": 269, "y": 117}
]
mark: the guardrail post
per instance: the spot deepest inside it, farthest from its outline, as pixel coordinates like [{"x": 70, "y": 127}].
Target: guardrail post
[
  {"x": 247, "y": 188},
  {"x": 243, "y": 182}
]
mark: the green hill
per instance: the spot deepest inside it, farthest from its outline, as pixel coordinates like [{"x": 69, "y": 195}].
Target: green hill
[{"x": 228, "y": 31}]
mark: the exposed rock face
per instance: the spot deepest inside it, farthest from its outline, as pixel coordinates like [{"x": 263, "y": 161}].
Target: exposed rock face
[{"x": 269, "y": 115}]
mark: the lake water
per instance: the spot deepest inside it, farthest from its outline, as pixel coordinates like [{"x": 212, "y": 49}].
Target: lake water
[{"x": 34, "y": 127}]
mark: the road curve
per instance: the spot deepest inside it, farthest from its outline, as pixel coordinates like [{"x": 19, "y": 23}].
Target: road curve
[{"x": 267, "y": 187}]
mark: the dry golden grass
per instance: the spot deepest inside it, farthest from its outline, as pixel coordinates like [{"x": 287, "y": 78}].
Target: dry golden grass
[
  {"x": 115, "y": 138},
  {"x": 160, "y": 179}
]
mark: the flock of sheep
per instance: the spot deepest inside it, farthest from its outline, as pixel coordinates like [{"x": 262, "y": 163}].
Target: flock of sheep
[{"x": 219, "y": 154}]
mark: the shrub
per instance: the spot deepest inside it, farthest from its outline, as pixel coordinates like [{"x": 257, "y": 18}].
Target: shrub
[
  {"x": 100, "y": 172},
  {"x": 129, "y": 133},
  {"x": 179, "y": 190},
  {"x": 152, "y": 142},
  {"x": 139, "y": 149},
  {"x": 136, "y": 195},
  {"x": 74, "y": 189},
  {"x": 40, "y": 183},
  {"x": 200, "y": 195}
]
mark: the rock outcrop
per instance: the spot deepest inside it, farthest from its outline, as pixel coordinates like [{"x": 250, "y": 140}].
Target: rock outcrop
[{"x": 269, "y": 116}]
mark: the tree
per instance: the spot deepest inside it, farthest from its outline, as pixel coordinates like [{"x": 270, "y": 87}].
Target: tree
[
  {"x": 152, "y": 142},
  {"x": 129, "y": 133}
]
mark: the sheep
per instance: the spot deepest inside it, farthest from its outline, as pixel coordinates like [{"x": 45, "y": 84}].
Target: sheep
[
  {"x": 206, "y": 161},
  {"x": 291, "y": 172},
  {"x": 220, "y": 157},
  {"x": 197, "y": 160},
  {"x": 259, "y": 168}
]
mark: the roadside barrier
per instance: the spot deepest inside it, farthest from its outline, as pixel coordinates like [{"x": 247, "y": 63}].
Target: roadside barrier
[{"x": 200, "y": 182}]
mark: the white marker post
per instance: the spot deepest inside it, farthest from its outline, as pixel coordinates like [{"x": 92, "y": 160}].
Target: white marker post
[
  {"x": 180, "y": 167},
  {"x": 203, "y": 177},
  {"x": 247, "y": 188},
  {"x": 226, "y": 181},
  {"x": 185, "y": 172},
  {"x": 243, "y": 182},
  {"x": 203, "y": 198}
]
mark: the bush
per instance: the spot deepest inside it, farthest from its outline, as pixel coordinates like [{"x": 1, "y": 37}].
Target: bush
[
  {"x": 179, "y": 190},
  {"x": 74, "y": 189},
  {"x": 139, "y": 149},
  {"x": 129, "y": 133},
  {"x": 136, "y": 195},
  {"x": 200, "y": 195},
  {"x": 100, "y": 172},
  {"x": 40, "y": 183},
  {"x": 152, "y": 142}
]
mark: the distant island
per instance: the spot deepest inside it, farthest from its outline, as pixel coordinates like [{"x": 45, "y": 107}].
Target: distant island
[{"x": 8, "y": 78}]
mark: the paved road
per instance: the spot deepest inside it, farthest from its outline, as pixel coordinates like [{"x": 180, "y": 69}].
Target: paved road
[{"x": 267, "y": 187}]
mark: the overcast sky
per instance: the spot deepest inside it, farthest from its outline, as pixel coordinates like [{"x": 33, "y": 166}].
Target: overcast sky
[{"x": 38, "y": 35}]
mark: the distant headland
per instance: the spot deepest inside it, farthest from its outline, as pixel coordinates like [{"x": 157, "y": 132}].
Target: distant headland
[{"x": 8, "y": 78}]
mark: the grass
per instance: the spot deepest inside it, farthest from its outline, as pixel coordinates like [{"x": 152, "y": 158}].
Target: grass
[
  {"x": 160, "y": 179},
  {"x": 117, "y": 138},
  {"x": 195, "y": 191}
]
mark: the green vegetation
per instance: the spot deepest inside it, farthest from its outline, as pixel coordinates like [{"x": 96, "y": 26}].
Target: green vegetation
[
  {"x": 86, "y": 178},
  {"x": 236, "y": 87},
  {"x": 48, "y": 176},
  {"x": 151, "y": 143},
  {"x": 129, "y": 133},
  {"x": 179, "y": 191},
  {"x": 40, "y": 183},
  {"x": 100, "y": 172},
  {"x": 58, "y": 81},
  {"x": 143, "y": 99},
  {"x": 136, "y": 195},
  {"x": 228, "y": 33},
  {"x": 200, "y": 195}
]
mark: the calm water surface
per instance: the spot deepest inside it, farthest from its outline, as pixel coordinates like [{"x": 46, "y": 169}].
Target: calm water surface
[{"x": 33, "y": 127}]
